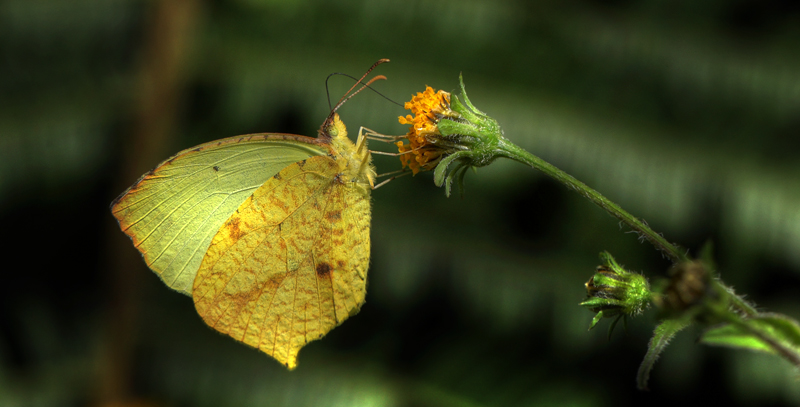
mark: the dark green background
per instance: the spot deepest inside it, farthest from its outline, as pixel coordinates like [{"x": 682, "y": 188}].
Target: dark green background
[{"x": 685, "y": 113}]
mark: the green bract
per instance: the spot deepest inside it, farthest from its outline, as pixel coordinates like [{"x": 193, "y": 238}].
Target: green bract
[{"x": 479, "y": 136}]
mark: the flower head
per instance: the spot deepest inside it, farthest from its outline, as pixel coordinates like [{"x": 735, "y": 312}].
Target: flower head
[
  {"x": 615, "y": 292},
  {"x": 426, "y": 144},
  {"x": 444, "y": 131}
]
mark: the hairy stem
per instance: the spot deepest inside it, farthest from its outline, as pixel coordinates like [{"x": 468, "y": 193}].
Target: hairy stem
[
  {"x": 673, "y": 251},
  {"x": 512, "y": 151}
]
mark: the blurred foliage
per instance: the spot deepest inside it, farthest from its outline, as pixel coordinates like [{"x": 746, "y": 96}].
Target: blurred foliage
[{"x": 685, "y": 113}]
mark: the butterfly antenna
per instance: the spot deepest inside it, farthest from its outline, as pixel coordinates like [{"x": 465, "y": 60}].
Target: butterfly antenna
[
  {"x": 350, "y": 93},
  {"x": 369, "y": 87}
]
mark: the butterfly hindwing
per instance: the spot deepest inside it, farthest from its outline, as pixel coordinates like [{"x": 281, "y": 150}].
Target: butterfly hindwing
[{"x": 290, "y": 264}]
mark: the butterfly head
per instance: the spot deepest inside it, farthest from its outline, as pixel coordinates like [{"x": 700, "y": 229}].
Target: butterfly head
[{"x": 354, "y": 159}]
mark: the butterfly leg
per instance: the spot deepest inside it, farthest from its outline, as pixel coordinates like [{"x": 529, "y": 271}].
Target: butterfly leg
[{"x": 361, "y": 150}]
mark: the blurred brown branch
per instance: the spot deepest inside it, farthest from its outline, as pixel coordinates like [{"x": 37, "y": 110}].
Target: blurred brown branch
[{"x": 167, "y": 40}]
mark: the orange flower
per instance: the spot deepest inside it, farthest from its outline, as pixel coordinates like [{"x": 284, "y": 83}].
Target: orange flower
[
  {"x": 426, "y": 145},
  {"x": 447, "y": 129}
]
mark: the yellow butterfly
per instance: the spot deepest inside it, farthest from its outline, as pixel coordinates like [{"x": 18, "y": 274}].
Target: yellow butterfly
[{"x": 268, "y": 233}]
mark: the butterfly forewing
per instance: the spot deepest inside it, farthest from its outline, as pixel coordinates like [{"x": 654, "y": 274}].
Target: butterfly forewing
[{"x": 174, "y": 211}]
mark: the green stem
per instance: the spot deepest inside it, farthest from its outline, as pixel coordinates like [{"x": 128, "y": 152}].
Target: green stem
[
  {"x": 738, "y": 303},
  {"x": 674, "y": 252},
  {"x": 512, "y": 151}
]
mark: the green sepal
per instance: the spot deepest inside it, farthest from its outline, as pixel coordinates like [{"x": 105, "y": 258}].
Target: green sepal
[
  {"x": 601, "y": 314},
  {"x": 449, "y": 127},
  {"x": 609, "y": 261},
  {"x": 598, "y": 302},
  {"x": 596, "y": 319},
  {"x": 606, "y": 281},
  {"x": 613, "y": 324},
  {"x": 441, "y": 175},
  {"x": 459, "y": 174},
  {"x": 441, "y": 169},
  {"x": 464, "y": 93}
]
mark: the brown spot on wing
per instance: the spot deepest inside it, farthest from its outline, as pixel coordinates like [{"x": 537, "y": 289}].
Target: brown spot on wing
[
  {"x": 323, "y": 269},
  {"x": 233, "y": 228},
  {"x": 334, "y": 215}
]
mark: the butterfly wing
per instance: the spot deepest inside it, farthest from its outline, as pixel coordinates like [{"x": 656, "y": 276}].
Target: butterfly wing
[
  {"x": 291, "y": 263},
  {"x": 174, "y": 211}
]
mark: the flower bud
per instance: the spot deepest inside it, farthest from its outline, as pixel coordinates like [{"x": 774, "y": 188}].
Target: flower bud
[
  {"x": 615, "y": 292},
  {"x": 690, "y": 291}
]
